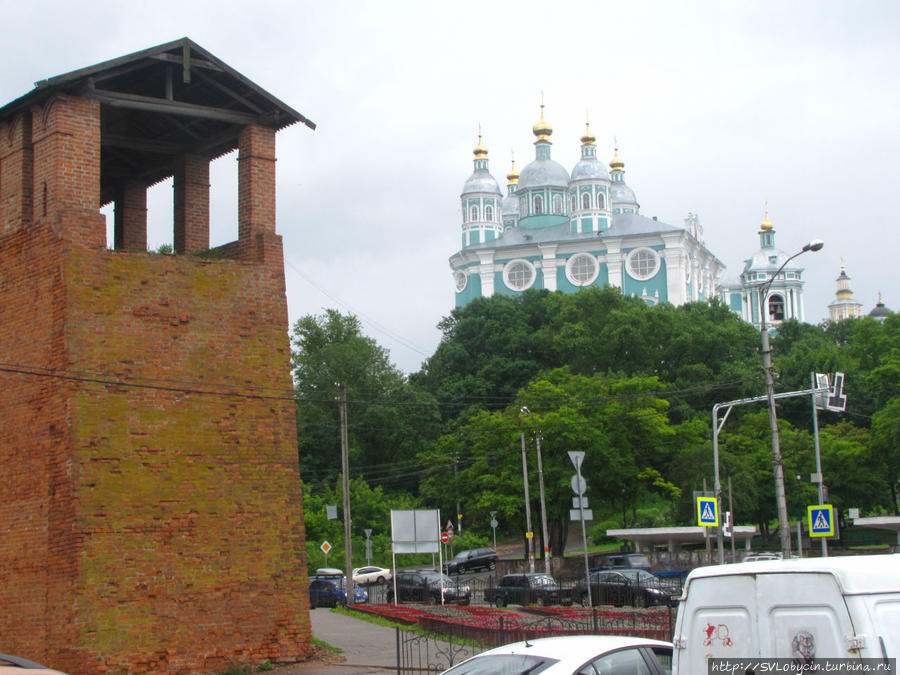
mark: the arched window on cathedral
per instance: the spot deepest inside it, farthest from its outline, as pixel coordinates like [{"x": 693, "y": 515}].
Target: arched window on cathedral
[
  {"x": 574, "y": 202},
  {"x": 776, "y": 308},
  {"x": 586, "y": 200},
  {"x": 557, "y": 204},
  {"x": 489, "y": 213},
  {"x": 474, "y": 212},
  {"x": 538, "y": 204},
  {"x": 601, "y": 204}
]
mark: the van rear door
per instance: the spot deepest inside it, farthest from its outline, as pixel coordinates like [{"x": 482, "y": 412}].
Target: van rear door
[
  {"x": 715, "y": 621},
  {"x": 804, "y": 617}
]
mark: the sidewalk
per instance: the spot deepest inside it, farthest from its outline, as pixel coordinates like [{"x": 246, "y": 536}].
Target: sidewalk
[{"x": 367, "y": 647}]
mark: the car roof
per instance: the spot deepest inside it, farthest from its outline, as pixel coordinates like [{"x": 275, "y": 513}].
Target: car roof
[
  {"x": 576, "y": 648},
  {"x": 854, "y": 574}
]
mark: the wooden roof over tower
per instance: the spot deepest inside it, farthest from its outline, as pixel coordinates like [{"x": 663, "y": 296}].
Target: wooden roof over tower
[{"x": 160, "y": 103}]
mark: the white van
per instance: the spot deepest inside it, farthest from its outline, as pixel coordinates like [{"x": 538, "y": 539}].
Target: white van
[{"x": 838, "y": 607}]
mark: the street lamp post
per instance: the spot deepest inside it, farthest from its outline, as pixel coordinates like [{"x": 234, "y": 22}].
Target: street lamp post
[
  {"x": 529, "y": 534},
  {"x": 778, "y": 468}
]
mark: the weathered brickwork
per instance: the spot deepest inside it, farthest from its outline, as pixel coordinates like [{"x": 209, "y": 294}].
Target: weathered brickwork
[{"x": 150, "y": 509}]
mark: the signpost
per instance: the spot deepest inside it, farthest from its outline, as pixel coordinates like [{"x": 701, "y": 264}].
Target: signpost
[
  {"x": 579, "y": 487},
  {"x": 326, "y": 547}
]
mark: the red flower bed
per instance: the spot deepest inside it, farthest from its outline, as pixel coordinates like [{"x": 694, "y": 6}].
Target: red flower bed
[{"x": 496, "y": 626}]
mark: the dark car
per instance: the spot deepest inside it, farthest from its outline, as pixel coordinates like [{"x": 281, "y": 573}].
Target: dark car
[
  {"x": 429, "y": 586},
  {"x": 528, "y": 589},
  {"x": 627, "y": 561},
  {"x": 471, "y": 561},
  {"x": 626, "y": 587},
  {"x": 330, "y": 591}
]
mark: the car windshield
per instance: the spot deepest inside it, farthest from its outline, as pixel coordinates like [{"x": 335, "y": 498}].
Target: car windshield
[{"x": 503, "y": 664}]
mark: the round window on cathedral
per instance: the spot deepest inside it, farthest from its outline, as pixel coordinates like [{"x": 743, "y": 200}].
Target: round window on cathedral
[
  {"x": 519, "y": 275},
  {"x": 642, "y": 263},
  {"x": 460, "y": 279},
  {"x": 582, "y": 269}
]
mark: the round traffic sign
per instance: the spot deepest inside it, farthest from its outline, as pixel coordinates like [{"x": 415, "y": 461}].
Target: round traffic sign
[
  {"x": 579, "y": 484},
  {"x": 494, "y": 523},
  {"x": 445, "y": 537}
]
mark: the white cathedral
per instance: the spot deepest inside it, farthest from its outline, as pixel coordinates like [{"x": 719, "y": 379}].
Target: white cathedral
[
  {"x": 563, "y": 232},
  {"x": 560, "y": 231}
]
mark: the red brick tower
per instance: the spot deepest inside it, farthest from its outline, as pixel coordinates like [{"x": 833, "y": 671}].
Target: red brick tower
[{"x": 150, "y": 506}]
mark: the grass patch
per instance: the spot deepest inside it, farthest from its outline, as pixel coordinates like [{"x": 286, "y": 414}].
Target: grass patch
[{"x": 316, "y": 642}]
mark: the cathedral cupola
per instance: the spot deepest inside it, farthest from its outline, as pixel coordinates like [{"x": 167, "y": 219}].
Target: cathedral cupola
[
  {"x": 480, "y": 200},
  {"x": 621, "y": 196},
  {"x": 589, "y": 189}
]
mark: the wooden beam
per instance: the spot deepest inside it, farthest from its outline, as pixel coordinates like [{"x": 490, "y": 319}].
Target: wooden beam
[{"x": 161, "y": 105}]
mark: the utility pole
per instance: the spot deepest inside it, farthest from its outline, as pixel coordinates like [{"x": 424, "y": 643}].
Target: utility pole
[
  {"x": 345, "y": 469},
  {"x": 529, "y": 535},
  {"x": 537, "y": 440}
]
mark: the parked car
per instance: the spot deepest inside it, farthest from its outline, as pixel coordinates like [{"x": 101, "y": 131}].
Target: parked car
[
  {"x": 627, "y": 561},
  {"x": 371, "y": 575},
  {"x": 429, "y": 586},
  {"x": 15, "y": 664},
  {"x": 573, "y": 655},
  {"x": 471, "y": 561},
  {"x": 528, "y": 589},
  {"x": 626, "y": 587},
  {"x": 330, "y": 591}
]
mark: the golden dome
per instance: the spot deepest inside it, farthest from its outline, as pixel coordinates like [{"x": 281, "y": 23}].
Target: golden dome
[
  {"x": 542, "y": 130},
  {"x": 480, "y": 152},
  {"x": 588, "y": 138},
  {"x": 616, "y": 162},
  {"x": 767, "y": 224},
  {"x": 513, "y": 175}
]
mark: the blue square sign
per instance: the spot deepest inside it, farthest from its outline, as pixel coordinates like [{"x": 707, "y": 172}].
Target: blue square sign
[
  {"x": 707, "y": 512},
  {"x": 821, "y": 520}
]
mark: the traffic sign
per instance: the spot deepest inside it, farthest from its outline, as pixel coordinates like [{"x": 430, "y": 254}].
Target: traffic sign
[
  {"x": 579, "y": 484},
  {"x": 445, "y": 537},
  {"x": 577, "y": 457},
  {"x": 449, "y": 527},
  {"x": 707, "y": 512},
  {"x": 821, "y": 520},
  {"x": 575, "y": 514},
  {"x": 326, "y": 547}
]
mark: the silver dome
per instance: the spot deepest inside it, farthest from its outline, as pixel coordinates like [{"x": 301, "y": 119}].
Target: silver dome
[
  {"x": 481, "y": 181},
  {"x": 510, "y": 205},
  {"x": 543, "y": 172},
  {"x": 590, "y": 168},
  {"x": 620, "y": 193}
]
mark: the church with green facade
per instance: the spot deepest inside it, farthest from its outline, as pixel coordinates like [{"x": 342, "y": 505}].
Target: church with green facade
[{"x": 564, "y": 231}]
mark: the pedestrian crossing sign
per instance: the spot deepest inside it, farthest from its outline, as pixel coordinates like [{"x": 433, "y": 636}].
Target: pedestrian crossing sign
[
  {"x": 821, "y": 520},
  {"x": 707, "y": 512}
]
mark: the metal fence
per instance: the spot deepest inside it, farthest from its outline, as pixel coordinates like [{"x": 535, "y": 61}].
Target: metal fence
[{"x": 445, "y": 644}]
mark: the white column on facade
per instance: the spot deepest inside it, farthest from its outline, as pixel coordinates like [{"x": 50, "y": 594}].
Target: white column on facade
[
  {"x": 548, "y": 265},
  {"x": 614, "y": 261},
  {"x": 486, "y": 272},
  {"x": 675, "y": 283}
]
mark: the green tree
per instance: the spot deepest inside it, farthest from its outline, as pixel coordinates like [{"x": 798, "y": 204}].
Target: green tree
[
  {"x": 886, "y": 446},
  {"x": 621, "y": 425},
  {"x": 388, "y": 421}
]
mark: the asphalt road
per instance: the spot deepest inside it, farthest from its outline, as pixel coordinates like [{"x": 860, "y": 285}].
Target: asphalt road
[{"x": 367, "y": 647}]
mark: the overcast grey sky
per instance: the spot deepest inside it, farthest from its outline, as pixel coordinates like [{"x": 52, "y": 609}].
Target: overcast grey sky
[{"x": 718, "y": 108}]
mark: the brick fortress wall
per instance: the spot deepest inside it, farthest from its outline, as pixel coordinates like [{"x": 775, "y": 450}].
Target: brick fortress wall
[{"x": 150, "y": 509}]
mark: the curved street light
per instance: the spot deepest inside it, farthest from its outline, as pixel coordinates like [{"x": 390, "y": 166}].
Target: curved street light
[{"x": 784, "y": 530}]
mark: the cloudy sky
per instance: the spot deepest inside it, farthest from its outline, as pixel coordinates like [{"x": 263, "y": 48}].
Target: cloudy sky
[{"x": 718, "y": 108}]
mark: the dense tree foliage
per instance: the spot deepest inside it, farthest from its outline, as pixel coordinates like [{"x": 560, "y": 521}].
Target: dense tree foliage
[
  {"x": 388, "y": 421},
  {"x": 631, "y": 385}
]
